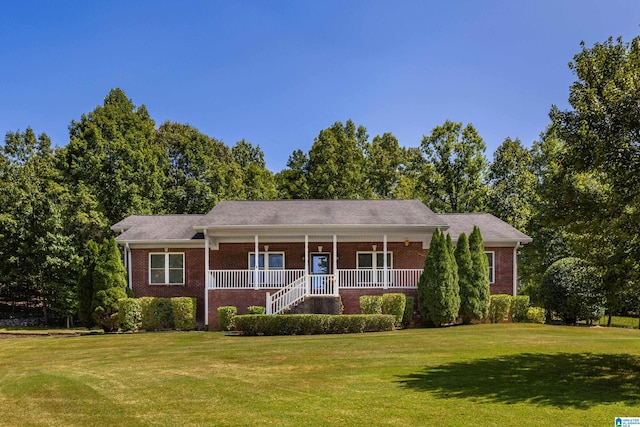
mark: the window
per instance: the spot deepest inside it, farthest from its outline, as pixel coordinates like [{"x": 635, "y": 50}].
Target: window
[
  {"x": 166, "y": 268},
  {"x": 490, "y": 258},
  {"x": 275, "y": 260},
  {"x": 374, "y": 260}
]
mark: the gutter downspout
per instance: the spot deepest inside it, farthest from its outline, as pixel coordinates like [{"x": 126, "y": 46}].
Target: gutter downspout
[{"x": 127, "y": 253}]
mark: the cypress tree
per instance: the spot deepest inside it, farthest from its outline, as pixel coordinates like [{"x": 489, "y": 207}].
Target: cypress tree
[
  {"x": 110, "y": 284},
  {"x": 438, "y": 298},
  {"x": 454, "y": 284},
  {"x": 85, "y": 284},
  {"x": 469, "y": 294},
  {"x": 480, "y": 263}
]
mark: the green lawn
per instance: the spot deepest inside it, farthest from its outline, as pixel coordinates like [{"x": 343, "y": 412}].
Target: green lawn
[{"x": 482, "y": 375}]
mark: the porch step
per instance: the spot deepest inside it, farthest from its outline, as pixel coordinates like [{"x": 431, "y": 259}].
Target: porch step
[{"x": 317, "y": 305}]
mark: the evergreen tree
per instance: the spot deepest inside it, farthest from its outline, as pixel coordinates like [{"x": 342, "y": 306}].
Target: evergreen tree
[
  {"x": 110, "y": 285},
  {"x": 438, "y": 295},
  {"x": 85, "y": 287},
  {"x": 469, "y": 293},
  {"x": 480, "y": 278}
]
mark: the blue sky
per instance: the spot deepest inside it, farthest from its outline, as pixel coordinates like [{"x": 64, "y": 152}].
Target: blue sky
[{"x": 277, "y": 72}]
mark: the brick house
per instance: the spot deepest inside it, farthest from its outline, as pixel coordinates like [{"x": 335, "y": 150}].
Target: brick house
[{"x": 307, "y": 251}]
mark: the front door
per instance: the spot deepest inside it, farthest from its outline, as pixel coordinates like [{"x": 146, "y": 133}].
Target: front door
[{"x": 320, "y": 265}]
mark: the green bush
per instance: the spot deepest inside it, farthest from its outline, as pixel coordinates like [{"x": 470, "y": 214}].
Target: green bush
[
  {"x": 394, "y": 304},
  {"x": 371, "y": 304},
  {"x": 226, "y": 315},
  {"x": 407, "y": 317},
  {"x": 256, "y": 309},
  {"x": 572, "y": 289},
  {"x": 499, "y": 307},
  {"x": 306, "y": 324},
  {"x": 519, "y": 307},
  {"x": 157, "y": 313},
  {"x": 536, "y": 314},
  {"x": 184, "y": 313},
  {"x": 129, "y": 314}
]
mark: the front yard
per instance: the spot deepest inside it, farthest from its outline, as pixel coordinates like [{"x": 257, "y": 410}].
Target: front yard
[{"x": 493, "y": 374}]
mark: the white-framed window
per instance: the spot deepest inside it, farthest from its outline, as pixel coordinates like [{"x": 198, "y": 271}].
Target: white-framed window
[
  {"x": 166, "y": 268},
  {"x": 267, "y": 260},
  {"x": 373, "y": 260},
  {"x": 491, "y": 256}
]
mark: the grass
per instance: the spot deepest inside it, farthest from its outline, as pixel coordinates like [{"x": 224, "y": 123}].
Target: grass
[
  {"x": 620, "y": 322},
  {"x": 483, "y": 375}
]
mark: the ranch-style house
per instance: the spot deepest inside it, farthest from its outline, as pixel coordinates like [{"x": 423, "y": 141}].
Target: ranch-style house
[{"x": 289, "y": 254}]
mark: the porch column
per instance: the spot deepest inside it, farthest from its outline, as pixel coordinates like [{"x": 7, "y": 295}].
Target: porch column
[
  {"x": 306, "y": 264},
  {"x": 206, "y": 279},
  {"x": 515, "y": 269},
  {"x": 256, "y": 263},
  {"x": 335, "y": 266},
  {"x": 128, "y": 252},
  {"x": 385, "y": 281}
]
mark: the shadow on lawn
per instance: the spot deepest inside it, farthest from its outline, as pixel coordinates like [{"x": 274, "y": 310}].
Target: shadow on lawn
[{"x": 564, "y": 380}]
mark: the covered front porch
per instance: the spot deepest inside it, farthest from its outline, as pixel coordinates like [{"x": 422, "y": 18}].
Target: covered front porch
[{"x": 314, "y": 266}]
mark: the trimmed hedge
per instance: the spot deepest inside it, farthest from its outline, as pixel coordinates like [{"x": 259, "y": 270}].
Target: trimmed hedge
[
  {"x": 519, "y": 307},
  {"x": 184, "y": 313},
  {"x": 310, "y": 324},
  {"x": 129, "y": 314},
  {"x": 371, "y": 304},
  {"x": 256, "y": 309},
  {"x": 157, "y": 313},
  {"x": 394, "y": 304},
  {"x": 226, "y": 317},
  {"x": 153, "y": 314},
  {"x": 499, "y": 307}
]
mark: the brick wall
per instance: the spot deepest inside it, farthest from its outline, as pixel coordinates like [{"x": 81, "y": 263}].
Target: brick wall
[
  {"x": 503, "y": 260},
  {"x": 235, "y": 257},
  {"x": 193, "y": 277}
]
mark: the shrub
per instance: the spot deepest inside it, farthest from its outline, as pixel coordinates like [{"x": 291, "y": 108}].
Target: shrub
[
  {"x": 129, "y": 314},
  {"x": 480, "y": 277},
  {"x": 184, "y": 313},
  {"x": 157, "y": 313},
  {"x": 371, "y": 304},
  {"x": 109, "y": 286},
  {"x": 572, "y": 289},
  {"x": 300, "y": 324},
  {"x": 226, "y": 315},
  {"x": 438, "y": 290},
  {"x": 519, "y": 307},
  {"x": 499, "y": 307},
  {"x": 536, "y": 314},
  {"x": 407, "y": 317},
  {"x": 256, "y": 309},
  {"x": 470, "y": 305},
  {"x": 394, "y": 304}
]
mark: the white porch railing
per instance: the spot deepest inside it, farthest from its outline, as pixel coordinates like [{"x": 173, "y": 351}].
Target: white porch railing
[
  {"x": 396, "y": 278},
  {"x": 318, "y": 284},
  {"x": 246, "y": 279},
  {"x": 287, "y": 296}
]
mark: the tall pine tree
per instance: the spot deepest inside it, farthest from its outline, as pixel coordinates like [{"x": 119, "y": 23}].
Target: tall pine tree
[
  {"x": 480, "y": 278},
  {"x": 470, "y": 307},
  {"x": 438, "y": 294},
  {"x": 110, "y": 285}
]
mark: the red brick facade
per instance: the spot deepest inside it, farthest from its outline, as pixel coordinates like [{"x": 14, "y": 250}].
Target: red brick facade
[{"x": 235, "y": 257}]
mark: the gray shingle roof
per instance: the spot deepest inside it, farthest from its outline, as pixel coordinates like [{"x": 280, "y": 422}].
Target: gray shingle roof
[
  {"x": 493, "y": 229},
  {"x": 158, "y": 228},
  {"x": 320, "y": 212}
]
